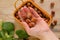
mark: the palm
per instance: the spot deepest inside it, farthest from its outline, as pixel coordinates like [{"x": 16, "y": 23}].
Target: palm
[{"x": 40, "y": 26}]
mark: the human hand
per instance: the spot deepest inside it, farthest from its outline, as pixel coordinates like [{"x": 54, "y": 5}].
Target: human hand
[{"x": 40, "y": 27}]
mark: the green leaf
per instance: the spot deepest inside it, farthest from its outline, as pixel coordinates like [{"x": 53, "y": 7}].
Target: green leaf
[
  {"x": 6, "y": 34},
  {"x": 17, "y": 39},
  {"x": 9, "y": 39},
  {"x": 22, "y": 34},
  {"x": 8, "y": 26},
  {"x": 11, "y": 33},
  {"x": 2, "y": 35},
  {"x": 1, "y": 24},
  {"x": 1, "y": 39}
]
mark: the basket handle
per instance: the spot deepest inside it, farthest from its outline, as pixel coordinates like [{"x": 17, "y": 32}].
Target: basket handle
[{"x": 16, "y": 3}]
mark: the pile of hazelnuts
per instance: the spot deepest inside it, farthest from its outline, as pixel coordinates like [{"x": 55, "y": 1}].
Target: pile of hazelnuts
[{"x": 31, "y": 21}]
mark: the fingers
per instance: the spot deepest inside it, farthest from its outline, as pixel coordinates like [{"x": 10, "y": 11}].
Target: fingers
[
  {"x": 34, "y": 12},
  {"x": 26, "y": 9},
  {"x": 23, "y": 13},
  {"x": 29, "y": 14},
  {"x": 26, "y": 26},
  {"x": 19, "y": 14}
]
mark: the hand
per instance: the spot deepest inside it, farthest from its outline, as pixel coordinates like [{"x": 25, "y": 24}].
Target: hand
[{"x": 40, "y": 27}]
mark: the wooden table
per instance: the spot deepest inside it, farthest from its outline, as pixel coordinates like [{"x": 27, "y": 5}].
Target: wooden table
[{"x": 7, "y": 8}]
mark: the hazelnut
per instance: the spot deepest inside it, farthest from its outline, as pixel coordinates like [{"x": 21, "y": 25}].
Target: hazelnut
[
  {"x": 46, "y": 20},
  {"x": 29, "y": 15},
  {"x": 17, "y": 17},
  {"x": 41, "y": 1},
  {"x": 34, "y": 20},
  {"x": 54, "y": 23},
  {"x": 31, "y": 5},
  {"x": 52, "y": 13},
  {"x": 24, "y": 17},
  {"x": 40, "y": 15},
  {"x": 28, "y": 4},
  {"x": 35, "y": 9},
  {"x": 52, "y": 5},
  {"x": 38, "y": 12},
  {"x": 28, "y": 21},
  {"x": 31, "y": 24}
]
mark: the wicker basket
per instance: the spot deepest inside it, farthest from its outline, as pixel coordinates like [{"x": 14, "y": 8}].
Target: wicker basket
[{"x": 38, "y": 7}]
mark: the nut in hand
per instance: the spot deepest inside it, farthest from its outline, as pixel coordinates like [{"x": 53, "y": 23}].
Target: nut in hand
[
  {"x": 29, "y": 15},
  {"x": 32, "y": 24},
  {"x": 28, "y": 4},
  {"x": 28, "y": 20},
  {"x": 35, "y": 9},
  {"x": 24, "y": 17},
  {"x": 34, "y": 20}
]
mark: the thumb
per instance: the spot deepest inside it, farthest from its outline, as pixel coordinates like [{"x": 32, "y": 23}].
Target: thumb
[{"x": 26, "y": 26}]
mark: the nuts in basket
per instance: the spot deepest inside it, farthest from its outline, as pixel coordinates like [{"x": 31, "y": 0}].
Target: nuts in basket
[{"x": 31, "y": 21}]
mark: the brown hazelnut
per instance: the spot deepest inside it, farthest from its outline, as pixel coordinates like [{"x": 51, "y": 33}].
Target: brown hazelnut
[
  {"x": 35, "y": 9},
  {"x": 38, "y": 12},
  {"x": 34, "y": 20},
  {"x": 28, "y": 21},
  {"x": 17, "y": 17},
  {"x": 52, "y": 13},
  {"x": 24, "y": 17},
  {"x": 52, "y": 5},
  {"x": 46, "y": 20},
  {"x": 31, "y": 5},
  {"x": 29, "y": 15},
  {"x": 28, "y": 4},
  {"x": 40, "y": 15},
  {"x": 54, "y": 23},
  {"x": 31, "y": 24},
  {"x": 41, "y": 1}
]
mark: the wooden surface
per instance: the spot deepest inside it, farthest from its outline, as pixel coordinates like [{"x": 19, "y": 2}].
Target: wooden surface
[{"x": 7, "y": 9}]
